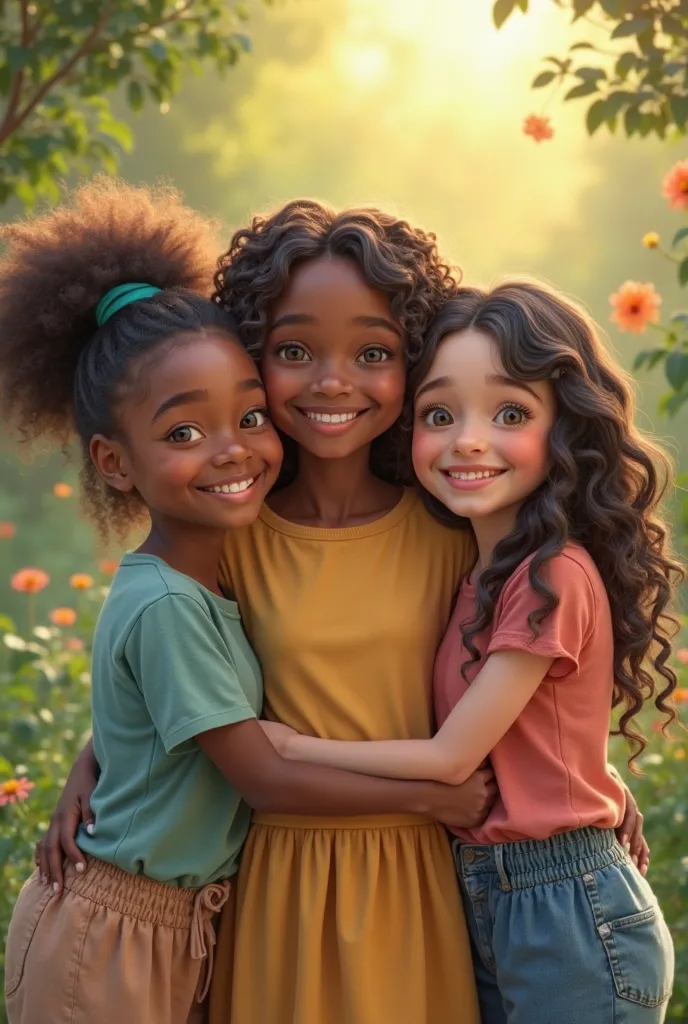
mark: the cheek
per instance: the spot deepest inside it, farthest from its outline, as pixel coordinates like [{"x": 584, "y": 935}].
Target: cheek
[
  {"x": 528, "y": 450},
  {"x": 269, "y": 448},
  {"x": 426, "y": 448}
]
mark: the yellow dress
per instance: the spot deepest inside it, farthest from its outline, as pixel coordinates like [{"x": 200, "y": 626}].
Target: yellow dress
[{"x": 346, "y": 920}]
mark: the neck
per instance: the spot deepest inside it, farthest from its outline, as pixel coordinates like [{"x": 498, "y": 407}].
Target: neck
[
  {"x": 189, "y": 548},
  {"x": 335, "y": 493},
  {"x": 489, "y": 530}
]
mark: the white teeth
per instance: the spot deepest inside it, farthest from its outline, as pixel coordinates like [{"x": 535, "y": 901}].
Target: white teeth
[
  {"x": 331, "y": 417},
  {"x": 481, "y": 475},
  {"x": 237, "y": 488}
]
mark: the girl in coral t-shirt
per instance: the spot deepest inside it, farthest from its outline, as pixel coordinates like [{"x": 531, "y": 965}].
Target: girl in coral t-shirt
[{"x": 524, "y": 426}]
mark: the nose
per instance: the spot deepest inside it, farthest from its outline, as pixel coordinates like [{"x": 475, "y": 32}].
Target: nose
[
  {"x": 469, "y": 439},
  {"x": 233, "y": 451},
  {"x": 331, "y": 381}
]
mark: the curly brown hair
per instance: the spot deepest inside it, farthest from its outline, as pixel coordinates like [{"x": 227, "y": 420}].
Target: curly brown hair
[
  {"x": 603, "y": 490},
  {"x": 396, "y": 259},
  {"x": 60, "y": 374}
]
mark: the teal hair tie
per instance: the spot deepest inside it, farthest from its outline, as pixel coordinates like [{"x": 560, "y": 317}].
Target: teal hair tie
[{"x": 119, "y": 297}]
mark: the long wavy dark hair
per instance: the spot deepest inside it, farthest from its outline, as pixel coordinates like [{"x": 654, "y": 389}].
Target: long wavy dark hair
[
  {"x": 396, "y": 259},
  {"x": 603, "y": 490}
]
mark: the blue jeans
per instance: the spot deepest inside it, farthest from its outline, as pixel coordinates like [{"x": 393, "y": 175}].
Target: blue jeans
[{"x": 564, "y": 931}]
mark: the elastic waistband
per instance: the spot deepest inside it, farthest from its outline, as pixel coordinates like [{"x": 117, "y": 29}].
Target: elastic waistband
[
  {"x": 537, "y": 861},
  {"x": 367, "y": 821},
  {"x": 138, "y": 896}
]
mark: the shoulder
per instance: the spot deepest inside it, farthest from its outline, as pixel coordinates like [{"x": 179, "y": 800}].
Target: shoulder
[
  {"x": 148, "y": 590},
  {"x": 455, "y": 542},
  {"x": 571, "y": 573}
]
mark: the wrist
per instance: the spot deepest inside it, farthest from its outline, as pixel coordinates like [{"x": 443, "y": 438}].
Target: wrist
[{"x": 422, "y": 798}]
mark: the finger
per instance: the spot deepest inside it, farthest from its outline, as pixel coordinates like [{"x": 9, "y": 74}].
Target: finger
[
  {"x": 636, "y": 839},
  {"x": 625, "y": 829},
  {"x": 644, "y": 858},
  {"x": 42, "y": 862},
  {"x": 88, "y": 817}
]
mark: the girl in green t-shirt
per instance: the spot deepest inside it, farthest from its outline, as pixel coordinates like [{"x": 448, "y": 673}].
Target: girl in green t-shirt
[{"x": 106, "y": 337}]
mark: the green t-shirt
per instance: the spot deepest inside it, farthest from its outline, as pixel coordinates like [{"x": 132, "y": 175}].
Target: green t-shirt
[{"x": 170, "y": 661}]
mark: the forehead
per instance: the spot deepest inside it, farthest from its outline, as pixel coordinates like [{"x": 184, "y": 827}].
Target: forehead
[
  {"x": 465, "y": 351},
  {"x": 187, "y": 358},
  {"x": 329, "y": 287}
]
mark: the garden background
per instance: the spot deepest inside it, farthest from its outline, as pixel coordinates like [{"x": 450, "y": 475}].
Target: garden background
[{"x": 422, "y": 106}]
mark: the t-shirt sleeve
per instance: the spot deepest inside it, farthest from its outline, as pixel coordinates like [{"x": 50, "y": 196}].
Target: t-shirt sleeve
[
  {"x": 184, "y": 669},
  {"x": 563, "y": 633}
]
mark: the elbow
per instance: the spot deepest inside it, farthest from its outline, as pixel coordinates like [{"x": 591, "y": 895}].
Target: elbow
[{"x": 453, "y": 772}]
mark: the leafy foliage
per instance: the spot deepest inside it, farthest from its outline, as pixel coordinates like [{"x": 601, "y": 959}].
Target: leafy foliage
[
  {"x": 643, "y": 88},
  {"x": 59, "y": 59}
]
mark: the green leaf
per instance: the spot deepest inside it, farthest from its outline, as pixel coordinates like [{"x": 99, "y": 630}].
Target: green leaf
[
  {"x": 590, "y": 74},
  {"x": 626, "y": 63},
  {"x": 678, "y": 106},
  {"x": 6, "y": 624},
  {"x": 671, "y": 26},
  {"x": 17, "y": 58},
  {"x": 135, "y": 95},
  {"x": 632, "y": 27},
  {"x": 670, "y": 403},
  {"x": 596, "y": 115},
  {"x": 676, "y": 369},
  {"x": 678, "y": 237},
  {"x": 544, "y": 78},
  {"x": 523, "y": 5},
  {"x": 584, "y": 89},
  {"x": 683, "y": 272},
  {"x": 649, "y": 357},
  {"x": 581, "y": 7},
  {"x": 581, "y": 46},
  {"x": 501, "y": 11},
  {"x": 632, "y": 119}
]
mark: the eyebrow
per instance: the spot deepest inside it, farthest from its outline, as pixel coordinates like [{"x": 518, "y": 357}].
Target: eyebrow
[
  {"x": 187, "y": 397},
  {"x": 433, "y": 385},
  {"x": 360, "y": 321},
  {"x": 500, "y": 378}
]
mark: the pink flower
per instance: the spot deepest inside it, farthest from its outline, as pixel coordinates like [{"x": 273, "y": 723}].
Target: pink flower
[
  {"x": 675, "y": 186},
  {"x": 635, "y": 306},
  {"x": 14, "y": 789},
  {"x": 539, "y": 128}
]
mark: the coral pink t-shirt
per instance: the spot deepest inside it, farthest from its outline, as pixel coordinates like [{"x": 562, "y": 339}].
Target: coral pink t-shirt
[{"x": 551, "y": 765}]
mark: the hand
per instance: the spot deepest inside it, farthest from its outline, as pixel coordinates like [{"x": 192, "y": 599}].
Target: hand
[
  {"x": 630, "y": 832},
  {"x": 279, "y": 735},
  {"x": 467, "y": 805},
  {"x": 73, "y": 808}
]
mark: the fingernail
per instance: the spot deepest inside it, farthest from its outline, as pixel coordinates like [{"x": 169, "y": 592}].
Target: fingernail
[
  {"x": 90, "y": 828},
  {"x": 80, "y": 867},
  {"x": 627, "y": 847},
  {"x": 44, "y": 879},
  {"x": 56, "y": 887},
  {"x": 635, "y": 860}
]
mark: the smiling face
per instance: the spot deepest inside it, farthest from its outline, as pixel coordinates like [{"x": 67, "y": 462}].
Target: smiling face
[
  {"x": 197, "y": 444},
  {"x": 480, "y": 441},
  {"x": 333, "y": 362}
]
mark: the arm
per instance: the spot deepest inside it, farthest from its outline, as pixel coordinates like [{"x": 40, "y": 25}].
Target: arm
[
  {"x": 479, "y": 720},
  {"x": 268, "y": 782}
]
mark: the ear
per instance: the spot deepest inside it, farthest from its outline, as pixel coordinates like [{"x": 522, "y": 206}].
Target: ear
[{"x": 112, "y": 462}]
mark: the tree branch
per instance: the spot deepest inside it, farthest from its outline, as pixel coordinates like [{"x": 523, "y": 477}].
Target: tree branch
[
  {"x": 17, "y": 78},
  {"x": 11, "y": 124}
]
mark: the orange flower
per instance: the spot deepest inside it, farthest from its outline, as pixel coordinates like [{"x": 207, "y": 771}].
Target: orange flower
[
  {"x": 14, "y": 789},
  {"x": 81, "y": 581},
  {"x": 635, "y": 306},
  {"x": 7, "y": 531},
  {"x": 62, "y": 490},
  {"x": 108, "y": 566},
  {"x": 682, "y": 655},
  {"x": 73, "y": 643},
  {"x": 680, "y": 695},
  {"x": 63, "y": 616},
  {"x": 675, "y": 186},
  {"x": 30, "y": 580},
  {"x": 538, "y": 127}
]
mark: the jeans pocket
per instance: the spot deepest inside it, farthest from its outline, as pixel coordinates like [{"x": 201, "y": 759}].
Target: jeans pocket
[
  {"x": 32, "y": 901},
  {"x": 641, "y": 955}
]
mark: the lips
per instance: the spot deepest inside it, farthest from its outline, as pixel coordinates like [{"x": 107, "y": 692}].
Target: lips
[
  {"x": 231, "y": 486},
  {"x": 334, "y": 417}
]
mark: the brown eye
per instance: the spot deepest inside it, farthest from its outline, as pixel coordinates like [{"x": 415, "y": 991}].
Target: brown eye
[
  {"x": 511, "y": 416},
  {"x": 254, "y": 418},
  {"x": 293, "y": 353},
  {"x": 375, "y": 354},
  {"x": 184, "y": 434},
  {"x": 437, "y": 418}
]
